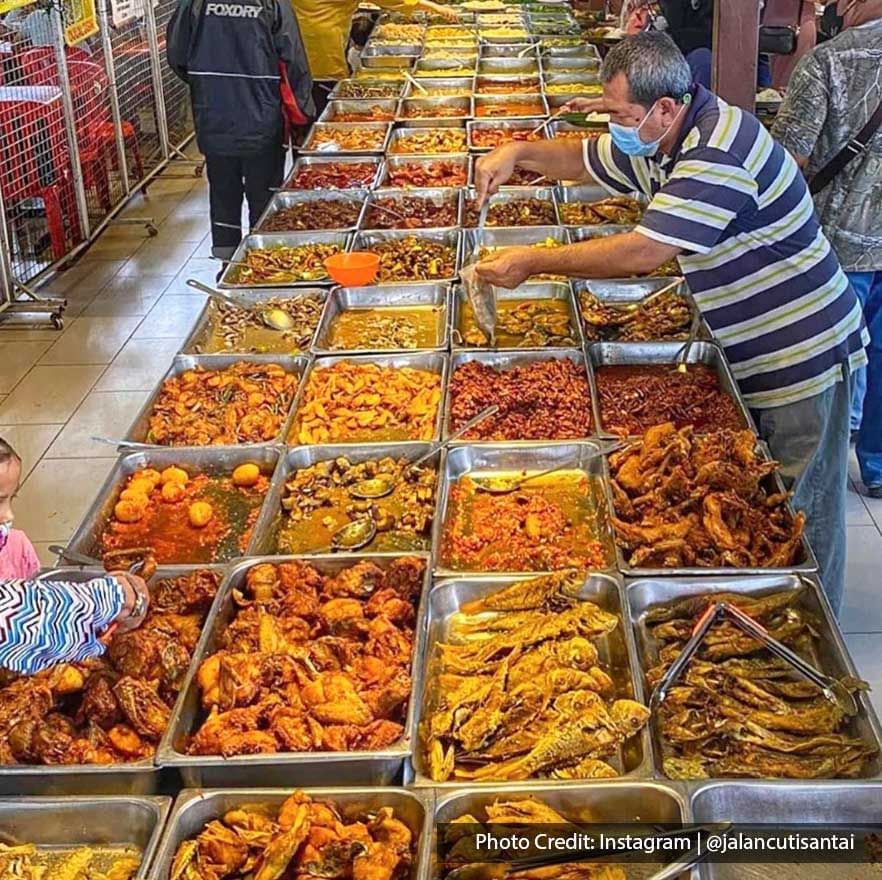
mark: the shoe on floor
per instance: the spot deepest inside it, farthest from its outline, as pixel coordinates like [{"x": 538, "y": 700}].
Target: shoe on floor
[{"x": 873, "y": 491}]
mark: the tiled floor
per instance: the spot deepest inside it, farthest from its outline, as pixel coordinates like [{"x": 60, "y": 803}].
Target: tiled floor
[{"x": 129, "y": 311}]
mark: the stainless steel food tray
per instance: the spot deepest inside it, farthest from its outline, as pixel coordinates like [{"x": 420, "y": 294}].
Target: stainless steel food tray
[
  {"x": 434, "y": 67},
  {"x": 435, "y": 362},
  {"x": 643, "y": 593},
  {"x": 364, "y": 241},
  {"x": 436, "y": 194},
  {"x": 558, "y": 64},
  {"x": 491, "y": 458},
  {"x": 395, "y": 162},
  {"x": 512, "y": 194},
  {"x": 78, "y": 780},
  {"x": 599, "y": 125},
  {"x": 465, "y": 83},
  {"x": 505, "y": 361},
  {"x": 528, "y": 123},
  {"x": 285, "y": 768},
  {"x": 508, "y": 66},
  {"x": 280, "y": 239},
  {"x": 210, "y": 460},
  {"x": 531, "y": 83},
  {"x": 524, "y": 49},
  {"x": 140, "y": 428},
  {"x": 297, "y": 458},
  {"x": 789, "y": 803},
  {"x": 540, "y": 107},
  {"x": 390, "y": 60},
  {"x": 383, "y": 128},
  {"x": 344, "y": 298},
  {"x": 588, "y": 192},
  {"x": 509, "y": 236},
  {"x": 807, "y": 565},
  {"x": 616, "y": 652},
  {"x": 195, "y": 808},
  {"x": 336, "y": 94},
  {"x": 305, "y": 161},
  {"x": 86, "y": 821},
  {"x": 249, "y": 298},
  {"x": 603, "y": 801},
  {"x": 632, "y": 290},
  {"x": 529, "y": 290},
  {"x": 291, "y": 198},
  {"x": 606, "y": 354},
  {"x": 462, "y": 106},
  {"x": 400, "y": 134},
  {"x": 357, "y": 105}
]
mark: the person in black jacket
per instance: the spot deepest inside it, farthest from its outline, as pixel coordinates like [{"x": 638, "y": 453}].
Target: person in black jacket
[{"x": 249, "y": 82}]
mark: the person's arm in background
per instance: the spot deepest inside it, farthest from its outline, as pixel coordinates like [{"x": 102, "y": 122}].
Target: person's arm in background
[
  {"x": 803, "y": 112},
  {"x": 289, "y": 45},
  {"x": 177, "y": 39},
  {"x": 429, "y": 6},
  {"x": 43, "y": 623}
]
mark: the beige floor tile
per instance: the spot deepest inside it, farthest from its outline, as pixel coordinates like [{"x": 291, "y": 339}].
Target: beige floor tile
[
  {"x": 856, "y": 513},
  {"x": 158, "y": 258},
  {"x": 140, "y": 365},
  {"x": 40, "y": 334},
  {"x": 89, "y": 273},
  {"x": 203, "y": 252},
  {"x": 30, "y": 442},
  {"x": 55, "y": 497},
  {"x": 173, "y": 185},
  {"x": 117, "y": 304},
  {"x": 91, "y": 341},
  {"x": 16, "y": 358},
  {"x": 202, "y": 269},
  {"x": 102, "y": 414},
  {"x": 155, "y": 208},
  {"x": 861, "y": 610},
  {"x": 116, "y": 248},
  {"x": 183, "y": 226},
  {"x": 172, "y": 316},
  {"x": 48, "y": 395}
]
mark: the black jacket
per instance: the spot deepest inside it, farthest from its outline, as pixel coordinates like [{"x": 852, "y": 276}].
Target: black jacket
[{"x": 230, "y": 54}]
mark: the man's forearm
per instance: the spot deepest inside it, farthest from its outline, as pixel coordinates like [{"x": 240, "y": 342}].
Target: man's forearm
[
  {"x": 557, "y": 160},
  {"x": 612, "y": 256}
]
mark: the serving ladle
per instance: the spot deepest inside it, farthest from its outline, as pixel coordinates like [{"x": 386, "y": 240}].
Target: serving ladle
[
  {"x": 360, "y": 532},
  {"x": 652, "y": 297},
  {"x": 275, "y": 319}
]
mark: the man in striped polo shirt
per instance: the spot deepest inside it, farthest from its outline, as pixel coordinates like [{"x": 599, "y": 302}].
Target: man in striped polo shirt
[{"x": 732, "y": 206}]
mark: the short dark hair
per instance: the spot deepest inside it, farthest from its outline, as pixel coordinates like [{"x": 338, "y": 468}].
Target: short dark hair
[
  {"x": 653, "y": 65},
  {"x": 7, "y": 453}
]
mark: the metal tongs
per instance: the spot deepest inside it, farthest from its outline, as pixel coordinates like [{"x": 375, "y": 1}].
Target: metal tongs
[
  {"x": 831, "y": 688},
  {"x": 481, "y": 295}
]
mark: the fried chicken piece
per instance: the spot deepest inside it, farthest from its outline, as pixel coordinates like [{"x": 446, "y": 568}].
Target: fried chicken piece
[
  {"x": 358, "y": 581},
  {"x": 145, "y": 711}
]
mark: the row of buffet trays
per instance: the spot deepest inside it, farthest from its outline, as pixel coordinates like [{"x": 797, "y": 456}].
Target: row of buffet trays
[
  {"x": 464, "y": 243},
  {"x": 158, "y": 826},
  {"x": 628, "y": 652}
]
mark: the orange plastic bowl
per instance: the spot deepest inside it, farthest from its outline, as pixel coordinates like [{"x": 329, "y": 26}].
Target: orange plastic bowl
[{"x": 353, "y": 269}]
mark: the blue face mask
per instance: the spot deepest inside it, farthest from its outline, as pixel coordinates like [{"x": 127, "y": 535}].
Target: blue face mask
[{"x": 627, "y": 137}]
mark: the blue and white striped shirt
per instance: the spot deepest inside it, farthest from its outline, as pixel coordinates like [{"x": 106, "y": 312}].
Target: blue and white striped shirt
[
  {"x": 759, "y": 266},
  {"x": 47, "y": 622}
]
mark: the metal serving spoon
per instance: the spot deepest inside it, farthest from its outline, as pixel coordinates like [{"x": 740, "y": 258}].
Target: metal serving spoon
[
  {"x": 124, "y": 444},
  {"x": 275, "y": 319},
  {"x": 507, "y": 485},
  {"x": 380, "y": 487},
  {"x": 642, "y": 303},
  {"x": 360, "y": 532}
]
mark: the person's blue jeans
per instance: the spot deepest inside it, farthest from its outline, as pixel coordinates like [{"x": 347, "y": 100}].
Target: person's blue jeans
[
  {"x": 868, "y": 287},
  {"x": 810, "y": 440}
]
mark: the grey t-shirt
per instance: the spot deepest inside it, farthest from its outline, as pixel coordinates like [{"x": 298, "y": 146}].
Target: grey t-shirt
[{"x": 833, "y": 92}]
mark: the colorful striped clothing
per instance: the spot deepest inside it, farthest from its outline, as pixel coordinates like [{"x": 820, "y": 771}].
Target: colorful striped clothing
[
  {"x": 47, "y": 622},
  {"x": 757, "y": 262}
]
